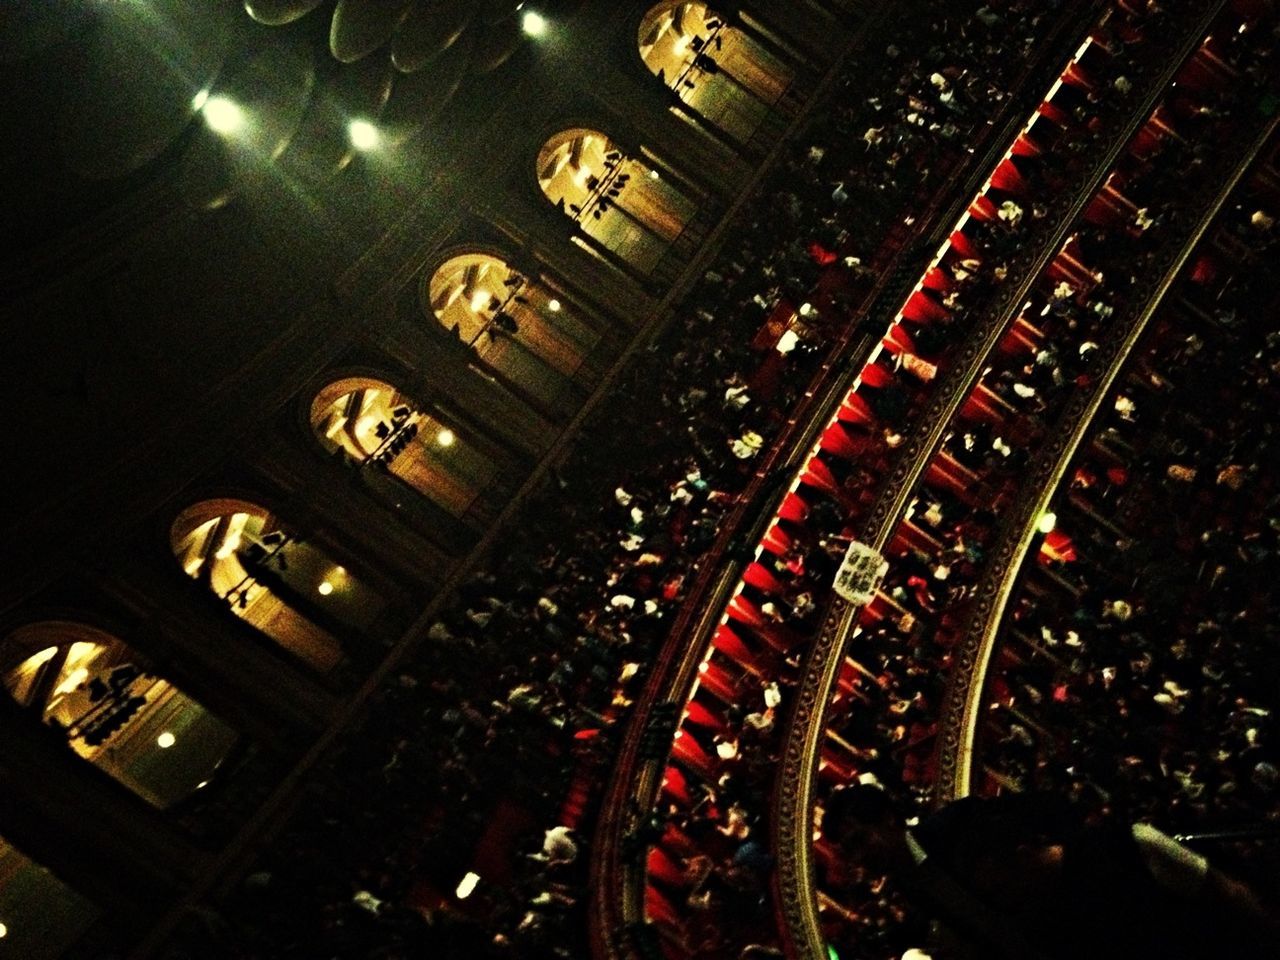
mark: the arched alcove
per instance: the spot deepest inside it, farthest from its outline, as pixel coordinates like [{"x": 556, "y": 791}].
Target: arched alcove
[
  {"x": 518, "y": 327},
  {"x": 624, "y": 205},
  {"x": 714, "y": 68},
  {"x": 42, "y": 916},
  {"x": 379, "y": 428},
  {"x": 272, "y": 578},
  {"x": 99, "y": 694}
]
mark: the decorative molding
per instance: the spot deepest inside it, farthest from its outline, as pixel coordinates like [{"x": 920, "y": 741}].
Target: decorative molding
[
  {"x": 794, "y": 800},
  {"x": 962, "y": 707}
]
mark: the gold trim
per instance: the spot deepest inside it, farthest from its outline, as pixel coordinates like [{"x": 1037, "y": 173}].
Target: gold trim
[
  {"x": 959, "y": 722},
  {"x": 793, "y": 804}
]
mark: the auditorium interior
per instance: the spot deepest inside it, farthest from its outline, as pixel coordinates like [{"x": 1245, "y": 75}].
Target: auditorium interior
[{"x": 589, "y": 447}]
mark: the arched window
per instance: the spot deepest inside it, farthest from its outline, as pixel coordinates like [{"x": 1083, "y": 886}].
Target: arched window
[
  {"x": 622, "y": 203},
  {"x": 381, "y": 429},
  {"x": 272, "y": 578},
  {"x": 714, "y": 68},
  {"x": 516, "y": 325},
  {"x": 41, "y": 916},
  {"x": 101, "y": 696}
]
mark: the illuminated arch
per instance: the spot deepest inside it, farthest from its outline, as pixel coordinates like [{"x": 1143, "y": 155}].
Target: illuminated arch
[
  {"x": 272, "y": 578},
  {"x": 379, "y": 428},
  {"x": 515, "y": 324},
  {"x": 714, "y": 68},
  {"x": 623, "y": 204},
  {"x": 97, "y": 692}
]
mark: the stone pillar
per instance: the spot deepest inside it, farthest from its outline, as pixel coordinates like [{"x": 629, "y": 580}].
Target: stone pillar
[
  {"x": 92, "y": 832},
  {"x": 614, "y": 298},
  {"x": 394, "y": 546},
  {"x": 445, "y": 376},
  {"x": 806, "y": 35},
  {"x": 234, "y": 670}
]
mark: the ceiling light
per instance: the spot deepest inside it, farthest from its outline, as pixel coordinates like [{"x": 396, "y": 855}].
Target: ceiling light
[
  {"x": 445, "y": 437},
  {"x": 534, "y": 24},
  {"x": 222, "y": 115},
  {"x": 1047, "y": 522},
  {"x": 166, "y": 740},
  {"x": 325, "y": 588},
  {"x": 363, "y": 134},
  {"x": 467, "y": 885},
  {"x": 553, "y": 306}
]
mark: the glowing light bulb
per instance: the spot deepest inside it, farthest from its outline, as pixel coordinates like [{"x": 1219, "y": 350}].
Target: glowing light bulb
[
  {"x": 325, "y": 588},
  {"x": 363, "y": 134},
  {"x": 467, "y": 885},
  {"x": 534, "y": 24},
  {"x": 1047, "y": 522},
  {"x": 553, "y": 306},
  {"x": 4, "y": 931},
  {"x": 222, "y": 115},
  {"x": 166, "y": 740},
  {"x": 445, "y": 437},
  {"x": 654, "y": 175}
]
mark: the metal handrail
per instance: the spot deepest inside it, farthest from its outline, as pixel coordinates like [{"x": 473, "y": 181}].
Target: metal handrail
[
  {"x": 962, "y": 707},
  {"x": 795, "y": 798}
]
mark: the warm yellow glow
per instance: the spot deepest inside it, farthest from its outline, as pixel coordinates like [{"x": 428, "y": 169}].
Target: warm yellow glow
[
  {"x": 1047, "y": 522},
  {"x": 166, "y": 740},
  {"x": 681, "y": 46},
  {"x": 363, "y": 134},
  {"x": 222, "y": 115},
  {"x": 229, "y": 546},
  {"x": 534, "y": 24},
  {"x": 199, "y": 100},
  {"x": 553, "y": 306},
  {"x": 35, "y": 662},
  {"x": 445, "y": 437},
  {"x": 581, "y": 175},
  {"x": 365, "y": 425},
  {"x": 325, "y": 588},
  {"x": 479, "y": 300},
  {"x": 654, "y": 175},
  {"x": 4, "y": 931},
  {"x": 467, "y": 885},
  {"x": 340, "y": 571},
  {"x": 72, "y": 680}
]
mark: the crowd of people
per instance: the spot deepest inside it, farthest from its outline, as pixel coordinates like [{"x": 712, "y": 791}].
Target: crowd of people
[
  {"x": 453, "y": 821},
  {"x": 717, "y": 789},
  {"x": 939, "y": 554},
  {"x": 1141, "y": 659}
]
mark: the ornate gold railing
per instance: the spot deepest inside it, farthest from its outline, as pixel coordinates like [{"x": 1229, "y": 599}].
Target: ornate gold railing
[
  {"x": 617, "y": 890},
  {"x": 958, "y": 723},
  {"x": 794, "y": 796}
]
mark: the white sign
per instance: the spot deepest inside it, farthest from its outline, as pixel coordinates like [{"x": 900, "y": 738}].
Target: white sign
[{"x": 860, "y": 573}]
